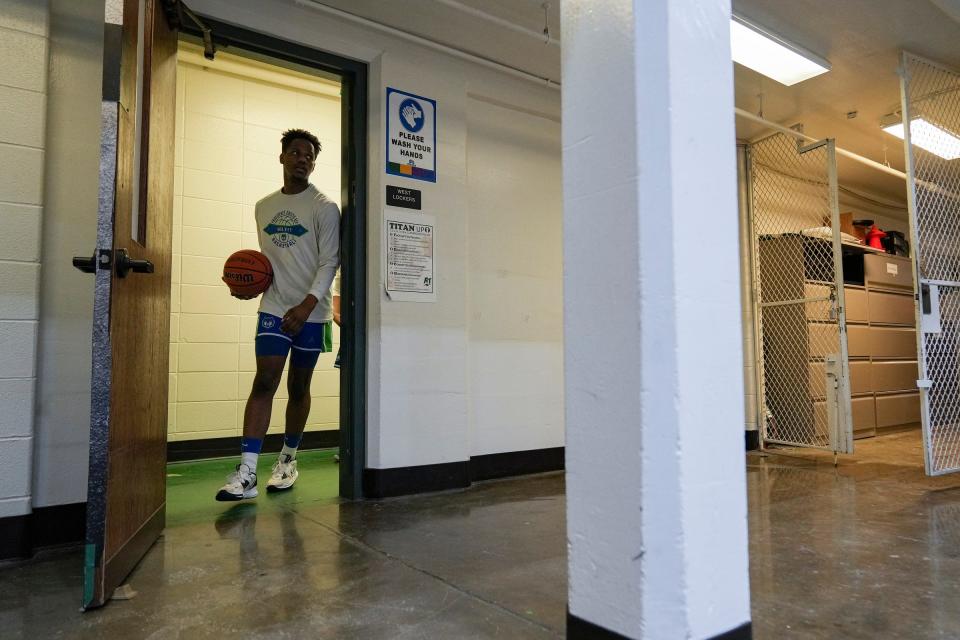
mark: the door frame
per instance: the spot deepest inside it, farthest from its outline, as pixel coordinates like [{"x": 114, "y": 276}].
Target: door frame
[{"x": 353, "y": 233}]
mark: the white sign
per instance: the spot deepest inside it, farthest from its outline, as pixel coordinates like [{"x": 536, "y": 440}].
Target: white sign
[
  {"x": 411, "y": 136},
  {"x": 409, "y": 242}
]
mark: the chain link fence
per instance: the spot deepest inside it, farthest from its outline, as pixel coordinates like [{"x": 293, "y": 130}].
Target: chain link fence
[
  {"x": 933, "y": 96},
  {"x": 796, "y": 290}
]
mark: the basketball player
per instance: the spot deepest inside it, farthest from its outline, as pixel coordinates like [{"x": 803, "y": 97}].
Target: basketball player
[{"x": 299, "y": 232}]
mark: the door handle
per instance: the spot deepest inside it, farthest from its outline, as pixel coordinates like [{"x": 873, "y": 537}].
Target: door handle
[
  {"x": 930, "y": 308},
  {"x": 126, "y": 264},
  {"x": 101, "y": 259},
  {"x": 87, "y": 265}
]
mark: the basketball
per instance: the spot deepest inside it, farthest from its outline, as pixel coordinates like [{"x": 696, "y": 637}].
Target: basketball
[{"x": 247, "y": 273}]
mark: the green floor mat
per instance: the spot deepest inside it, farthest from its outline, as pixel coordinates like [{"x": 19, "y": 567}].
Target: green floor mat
[{"x": 191, "y": 486}]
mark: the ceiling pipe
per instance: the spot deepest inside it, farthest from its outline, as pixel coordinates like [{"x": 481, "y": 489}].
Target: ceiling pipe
[
  {"x": 746, "y": 115},
  {"x": 530, "y": 77},
  {"x": 506, "y": 24},
  {"x": 430, "y": 44}
]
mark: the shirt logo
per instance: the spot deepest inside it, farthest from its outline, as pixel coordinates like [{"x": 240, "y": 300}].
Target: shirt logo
[{"x": 284, "y": 229}]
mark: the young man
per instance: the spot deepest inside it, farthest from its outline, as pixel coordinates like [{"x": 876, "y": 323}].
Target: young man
[{"x": 299, "y": 231}]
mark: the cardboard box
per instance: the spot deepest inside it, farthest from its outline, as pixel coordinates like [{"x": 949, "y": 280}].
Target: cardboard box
[{"x": 846, "y": 225}]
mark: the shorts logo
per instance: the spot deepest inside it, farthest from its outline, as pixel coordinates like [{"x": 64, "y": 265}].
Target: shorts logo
[
  {"x": 268, "y": 323},
  {"x": 284, "y": 229}
]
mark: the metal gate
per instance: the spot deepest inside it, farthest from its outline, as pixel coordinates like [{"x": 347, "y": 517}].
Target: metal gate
[
  {"x": 803, "y": 373},
  {"x": 931, "y": 114}
]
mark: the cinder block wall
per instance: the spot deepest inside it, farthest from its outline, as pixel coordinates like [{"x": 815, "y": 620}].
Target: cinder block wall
[{"x": 24, "y": 38}]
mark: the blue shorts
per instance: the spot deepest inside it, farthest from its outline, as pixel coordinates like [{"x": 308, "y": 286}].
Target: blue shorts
[{"x": 315, "y": 338}]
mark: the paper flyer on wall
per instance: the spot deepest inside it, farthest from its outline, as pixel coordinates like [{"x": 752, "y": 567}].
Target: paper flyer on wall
[{"x": 409, "y": 241}]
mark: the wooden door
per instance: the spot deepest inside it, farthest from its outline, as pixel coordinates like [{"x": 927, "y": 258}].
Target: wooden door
[{"x": 127, "y": 492}]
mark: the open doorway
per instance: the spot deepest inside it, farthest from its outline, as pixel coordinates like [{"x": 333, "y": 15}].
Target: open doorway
[{"x": 230, "y": 114}]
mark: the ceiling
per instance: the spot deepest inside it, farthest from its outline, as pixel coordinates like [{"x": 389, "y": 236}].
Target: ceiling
[
  {"x": 860, "y": 38},
  {"x": 475, "y": 26}
]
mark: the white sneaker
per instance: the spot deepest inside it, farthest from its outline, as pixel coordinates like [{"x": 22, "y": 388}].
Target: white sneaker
[
  {"x": 241, "y": 484},
  {"x": 284, "y": 474}
]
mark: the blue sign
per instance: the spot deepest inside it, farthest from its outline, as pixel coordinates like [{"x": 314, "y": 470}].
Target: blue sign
[{"x": 411, "y": 136}]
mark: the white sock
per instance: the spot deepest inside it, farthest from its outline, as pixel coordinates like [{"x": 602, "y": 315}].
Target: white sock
[
  {"x": 249, "y": 459},
  {"x": 289, "y": 451}
]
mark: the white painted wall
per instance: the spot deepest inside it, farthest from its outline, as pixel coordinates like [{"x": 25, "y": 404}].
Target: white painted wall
[
  {"x": 656, "y": 495},
  {"x": 69, "y": 229},
  {"x": 24, "y": 44},
  {"x": 422, "y": 374},
  {"x": 230, "y": 115},
  {"x": 515, "y": 275}
]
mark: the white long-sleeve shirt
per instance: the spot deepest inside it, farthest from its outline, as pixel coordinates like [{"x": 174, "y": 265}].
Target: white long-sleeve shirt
[{"x": 300, "y": 235}]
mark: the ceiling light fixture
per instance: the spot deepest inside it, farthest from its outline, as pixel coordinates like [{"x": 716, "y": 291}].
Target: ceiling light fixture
[
  {"x": 767, "y": 53},
  {"x": 925, "y": 135}
]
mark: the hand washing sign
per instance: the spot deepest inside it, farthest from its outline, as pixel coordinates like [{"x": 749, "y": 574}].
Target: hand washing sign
[{"x": 411, "y": 136}]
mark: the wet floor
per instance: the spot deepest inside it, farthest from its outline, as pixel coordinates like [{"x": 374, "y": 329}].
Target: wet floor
[
  {"x": 483, "y": 563},
  {"x": 867, "y": 549}
]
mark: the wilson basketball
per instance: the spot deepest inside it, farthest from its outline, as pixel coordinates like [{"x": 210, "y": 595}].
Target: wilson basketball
[{"x": 247, "y": 273}]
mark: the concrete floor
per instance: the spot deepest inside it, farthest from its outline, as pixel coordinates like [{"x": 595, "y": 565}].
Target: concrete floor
[{"x": 869, "y": 549}]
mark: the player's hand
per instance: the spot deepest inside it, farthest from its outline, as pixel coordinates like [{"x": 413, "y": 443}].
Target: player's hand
[
  {"x": 294, "y": 319},
  {"x": 237, "y": 295}
]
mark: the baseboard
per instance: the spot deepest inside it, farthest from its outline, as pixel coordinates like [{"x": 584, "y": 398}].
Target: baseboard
[
  {"x": 743, "y": 632},
  {"x": 752, "y": 440},
  {"x": 516, "y": 463},
  {"x": 401, "y": 481},
  {"x": 15, "y": 537},
  {"x": 59, "y": 525},
  {"x": 183, "y": 450},
  {"x": 580, "y": 629}
]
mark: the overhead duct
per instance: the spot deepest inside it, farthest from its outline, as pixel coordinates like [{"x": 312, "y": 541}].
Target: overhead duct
[{"x": 500, "y": 22}]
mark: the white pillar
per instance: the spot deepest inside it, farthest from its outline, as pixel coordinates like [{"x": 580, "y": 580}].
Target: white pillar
[{"x": 656, "y": 491}]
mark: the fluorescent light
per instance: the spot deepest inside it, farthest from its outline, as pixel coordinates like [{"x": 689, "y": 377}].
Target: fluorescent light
[
  {"x": 766, "y": 53},
  {"x": 929, "y": 137}
]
